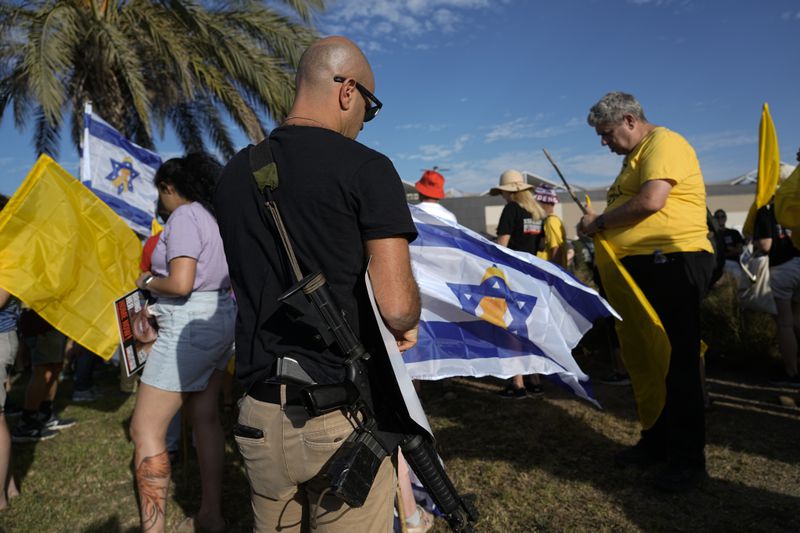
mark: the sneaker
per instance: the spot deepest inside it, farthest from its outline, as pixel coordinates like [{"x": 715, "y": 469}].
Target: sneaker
[
  {"x": 676, "y": 478},
  {"x": 535, "y": 390},
  {"x": 23, "y": 432},
  {"x": 513, "y": 393},
  {"x": 638, "y": 455},
  {"x": 88, "y": 395},
  {"x": 616, "y": 378},
  {"x": 425, "y": 522},
  {"x": 56, "y": 422},
  {"x": 785, "y": 381}
]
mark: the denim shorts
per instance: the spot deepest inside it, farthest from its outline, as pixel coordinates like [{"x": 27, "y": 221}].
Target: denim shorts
[
  {"x": 8, "y": 354},
  {"x": 195, "y": 337},
  {"x": 784, "y": 280}
]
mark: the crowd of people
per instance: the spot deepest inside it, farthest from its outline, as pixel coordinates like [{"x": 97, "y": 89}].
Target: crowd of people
[{"x": 344, "y": 210}]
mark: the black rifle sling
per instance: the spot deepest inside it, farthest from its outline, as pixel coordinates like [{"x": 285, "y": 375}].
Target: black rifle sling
[{"x": 265, "y": 173}]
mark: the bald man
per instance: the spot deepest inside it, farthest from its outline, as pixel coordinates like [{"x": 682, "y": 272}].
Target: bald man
[{"x": 342, "y": 203}]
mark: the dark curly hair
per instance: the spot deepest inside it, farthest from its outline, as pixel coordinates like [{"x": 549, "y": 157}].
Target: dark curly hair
[{"x": 193, "y": 176}]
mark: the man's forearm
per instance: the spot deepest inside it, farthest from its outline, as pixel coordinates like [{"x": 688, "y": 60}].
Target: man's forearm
[
  {"x": 628, "y": 214},
  {"x": 404, "y": 315}
]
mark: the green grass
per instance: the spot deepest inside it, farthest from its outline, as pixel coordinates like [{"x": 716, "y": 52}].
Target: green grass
[{"x": 532, "y": 465}]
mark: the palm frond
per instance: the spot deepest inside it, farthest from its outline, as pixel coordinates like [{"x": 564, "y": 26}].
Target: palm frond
[
  {"x": 46, "y": 135},
  {"x": 215, "y": 128},
  {"x": 305, "y": 8},
  {"x": 128, "y": 68},
  {"x": 184, "y": 120},
  {"x": 148, "y": 64},
  {"x": 46, "y": 57}
]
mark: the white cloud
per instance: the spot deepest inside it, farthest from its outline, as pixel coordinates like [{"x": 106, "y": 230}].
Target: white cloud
[
  {"x": 601, "y": 164},
  {"x": 790, "y": 15},
  {"x": 440, "y": 152},
  {"x": 725, "y": 139},
  {"x": 422, "y": 126},
  {"x": 522, "y": 128},
  {"x": 394, "y": 19}
]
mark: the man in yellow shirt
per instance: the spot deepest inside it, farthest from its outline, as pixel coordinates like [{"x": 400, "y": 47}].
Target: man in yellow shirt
[{"x": 656, "y": 223}]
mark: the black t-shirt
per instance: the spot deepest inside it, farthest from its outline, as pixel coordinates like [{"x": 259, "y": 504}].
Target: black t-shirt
[
  {"x": 334, "y": 194},
  {"x": 767, "y": 227},
  {"x": 526, "y": 233},
  {"x": 733, "y": 243}
]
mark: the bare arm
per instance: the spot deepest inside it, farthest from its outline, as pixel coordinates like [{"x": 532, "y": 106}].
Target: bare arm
[
  {"x": 762, "y": 245},
  {"x": 650, "y": 199},
  {"x": 502, "y": 240},
  {"x": 396, "y": 291},
  {"x": 180, "y": 281},
  {"x": 5, "y": 296}
]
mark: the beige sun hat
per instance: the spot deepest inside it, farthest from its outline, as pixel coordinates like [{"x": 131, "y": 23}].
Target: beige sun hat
[{"x": 511, "y": 181}]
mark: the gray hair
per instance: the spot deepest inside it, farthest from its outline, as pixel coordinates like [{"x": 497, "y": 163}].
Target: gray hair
[{"x": 613, "y": 107}]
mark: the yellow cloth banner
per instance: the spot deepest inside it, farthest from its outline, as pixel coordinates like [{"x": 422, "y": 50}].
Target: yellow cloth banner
[
  {"x": 787, "y": 205},
  {"x": 155, "y": 227},
  {"x": 67, "y": 255},
  {"x": 644, "y": 345},
  {"x": 769, "y": 168}
]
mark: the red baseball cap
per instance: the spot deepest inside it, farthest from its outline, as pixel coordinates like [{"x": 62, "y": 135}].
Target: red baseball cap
[{"x": 431, "y": 184}]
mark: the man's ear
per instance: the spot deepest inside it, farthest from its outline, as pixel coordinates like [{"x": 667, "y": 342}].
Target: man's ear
[
  {"x": 346, "y": 94},
  {"x": 630, "y": 121}
]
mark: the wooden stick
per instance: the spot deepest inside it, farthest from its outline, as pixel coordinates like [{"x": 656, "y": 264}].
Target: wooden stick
[{"x": 564, "y": 180}]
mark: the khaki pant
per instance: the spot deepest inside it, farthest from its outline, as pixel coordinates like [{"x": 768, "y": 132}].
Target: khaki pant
[{"x": 281, "y": 466}]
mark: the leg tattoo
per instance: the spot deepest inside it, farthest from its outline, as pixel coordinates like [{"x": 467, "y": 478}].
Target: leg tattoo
[{"x": 152, "y": 479}]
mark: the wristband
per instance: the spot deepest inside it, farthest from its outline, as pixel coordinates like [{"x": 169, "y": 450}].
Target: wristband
[{"x": 148, "y": 279}]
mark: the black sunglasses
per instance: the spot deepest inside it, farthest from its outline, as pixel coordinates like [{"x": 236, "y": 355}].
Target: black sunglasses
[{"x": 372, "y": 111}]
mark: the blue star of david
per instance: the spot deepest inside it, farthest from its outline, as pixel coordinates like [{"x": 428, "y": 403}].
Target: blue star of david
[
  {"x": 115, "y": 177},
  {"x": 519, "y": 305}
]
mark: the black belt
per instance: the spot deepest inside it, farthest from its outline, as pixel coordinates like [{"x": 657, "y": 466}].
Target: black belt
[{"x": 271, "y": 393}]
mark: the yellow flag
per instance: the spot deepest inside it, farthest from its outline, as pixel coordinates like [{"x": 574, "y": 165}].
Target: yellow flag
[
  {"x": 155, "y": 227},
  {"x": 769, "y": 168},
  {"x": 67, "y": 255},
  {"x": 644, "y": 345},
  {"x": 787, "y": 205}
]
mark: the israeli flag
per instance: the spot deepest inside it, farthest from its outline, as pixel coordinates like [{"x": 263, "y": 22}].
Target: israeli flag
[
  {"x": 491, "y": 311},
  {"x": 119, "y": 172}
]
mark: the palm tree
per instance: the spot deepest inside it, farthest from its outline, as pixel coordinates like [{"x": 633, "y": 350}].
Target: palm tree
[{"x": 146, "y": 64}]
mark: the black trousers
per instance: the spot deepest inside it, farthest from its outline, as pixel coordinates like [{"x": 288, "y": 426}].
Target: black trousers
[{"x": 675, "y": 284}]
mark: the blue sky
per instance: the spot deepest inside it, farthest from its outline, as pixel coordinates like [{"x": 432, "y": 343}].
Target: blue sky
[{"x": 479, "y": 86}]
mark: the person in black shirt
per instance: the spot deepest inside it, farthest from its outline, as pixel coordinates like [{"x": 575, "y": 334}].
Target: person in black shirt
[
  {"x": 520, "y": 228},
  {"x": 734, "y": 242},
  {"x": 769, "y": 237},
  {"x": 342, "y": 204}
]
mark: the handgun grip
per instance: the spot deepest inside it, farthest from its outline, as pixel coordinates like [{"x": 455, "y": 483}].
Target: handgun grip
[{"x": 321, "y": 399}]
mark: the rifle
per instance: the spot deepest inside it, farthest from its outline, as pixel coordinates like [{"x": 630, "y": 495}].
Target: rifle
[{"x": 353, "y": 467}]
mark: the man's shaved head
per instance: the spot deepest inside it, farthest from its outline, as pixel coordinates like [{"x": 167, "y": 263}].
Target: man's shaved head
[
  {"x": 329, "y": 57},
  {"x": 322, "y": 101}
]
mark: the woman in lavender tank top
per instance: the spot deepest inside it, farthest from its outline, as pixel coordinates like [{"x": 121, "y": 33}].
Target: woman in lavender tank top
[{"x": 195, "y": 315}]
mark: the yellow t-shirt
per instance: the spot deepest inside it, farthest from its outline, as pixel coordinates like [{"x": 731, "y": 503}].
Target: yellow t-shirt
[
  {"x": 680, "y": 226},
  {"x": 554, "y": 236}
]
